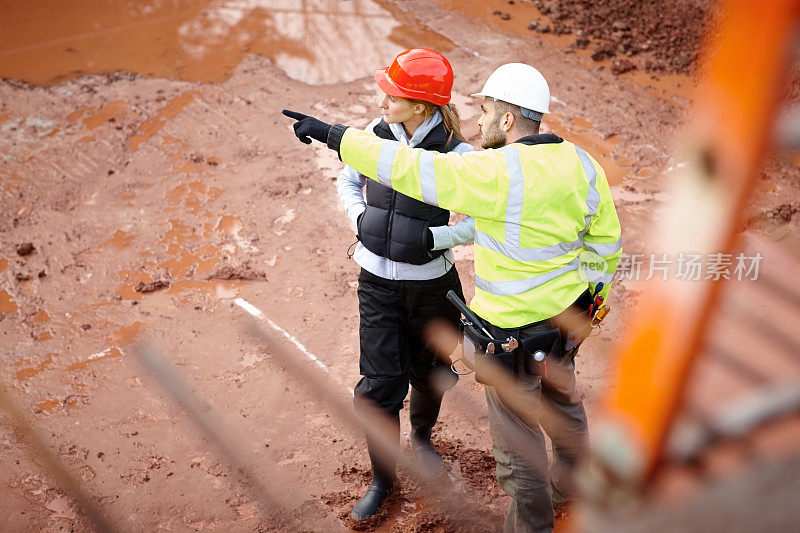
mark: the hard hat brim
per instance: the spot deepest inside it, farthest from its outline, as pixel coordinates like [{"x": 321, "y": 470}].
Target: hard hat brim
[
  {"x": 388, "y": 86},
  {"x": 481, "y": 95}
]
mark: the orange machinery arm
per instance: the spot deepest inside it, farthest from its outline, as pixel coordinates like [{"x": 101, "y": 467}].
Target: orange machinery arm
[{"x": 734, "y": 110}]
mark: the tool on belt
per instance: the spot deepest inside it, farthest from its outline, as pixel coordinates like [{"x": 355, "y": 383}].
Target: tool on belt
[
  {"x": 550, "y": 344},
  {"x": 480, "y": 347}
]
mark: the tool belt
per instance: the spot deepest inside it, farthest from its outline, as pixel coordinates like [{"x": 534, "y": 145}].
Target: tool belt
[
  {"x": 530, "y": 354},
  {"x": 481, "y": 352}
]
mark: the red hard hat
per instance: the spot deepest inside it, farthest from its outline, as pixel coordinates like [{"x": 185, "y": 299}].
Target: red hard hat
[{"x": 420, "y": 74}]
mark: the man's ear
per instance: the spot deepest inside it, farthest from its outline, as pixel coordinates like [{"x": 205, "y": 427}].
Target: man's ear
[{"x": 508, "y": 122}]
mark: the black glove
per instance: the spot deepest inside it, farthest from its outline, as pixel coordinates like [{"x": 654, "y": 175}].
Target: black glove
[{"x": 307, "y": 126}]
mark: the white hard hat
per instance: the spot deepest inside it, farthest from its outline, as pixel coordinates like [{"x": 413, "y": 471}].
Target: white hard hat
[{"x": 519, "y": 84}]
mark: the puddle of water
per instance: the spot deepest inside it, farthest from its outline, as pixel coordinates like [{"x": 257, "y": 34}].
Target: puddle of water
[
  {"x": 78, "y": 113},
  {"x": 112, "y": 110},
  {"x": 124, "y": 335},
  {"x": 7, "y": 305},
  {"x": 675, "y": 88},
  {"x": 326, "y": 41},
  {"x": 120, "y": 240},
  {"x": 169, "y": 139},
  {"x": 181, "y": 232},
  {"x": 202, "y": 261},
  {"x": 217, "y": 289},
  {"x": 182, "y": 263},
  {"x": 31, "y": 371},
  {"x": 39, "y": 318},
  {"x": 131, "y": 278},
  {"x": 108, "y": 353},
  {"x": 48, "y": 406},
  {"x": 150, "y": 127},
  {"x": 230, "y": 225},
  {"x": 193, "y": 195}
]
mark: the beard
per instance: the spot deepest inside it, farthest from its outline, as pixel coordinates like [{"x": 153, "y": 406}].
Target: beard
[{"x": 492, "y": 136}]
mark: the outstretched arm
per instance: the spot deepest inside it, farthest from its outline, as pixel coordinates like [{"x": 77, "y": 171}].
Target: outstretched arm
[{"x": 468, "y": 183}]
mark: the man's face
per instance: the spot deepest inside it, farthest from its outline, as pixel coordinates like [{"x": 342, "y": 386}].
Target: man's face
[{"x": 492, "y": 135}]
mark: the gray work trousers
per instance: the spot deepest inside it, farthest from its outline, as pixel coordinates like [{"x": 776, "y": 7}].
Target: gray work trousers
[{"x": 519, "y": 446}]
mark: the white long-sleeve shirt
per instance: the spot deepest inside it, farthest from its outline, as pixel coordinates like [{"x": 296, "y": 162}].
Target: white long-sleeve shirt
[{"x": 350, "y": 187}]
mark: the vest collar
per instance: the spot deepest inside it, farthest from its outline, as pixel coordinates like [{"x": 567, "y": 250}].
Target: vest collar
[
  {"x": 541, "y": 138},
  {"x": 431, "y": 134},
  {"x": 421, "y": 132}
]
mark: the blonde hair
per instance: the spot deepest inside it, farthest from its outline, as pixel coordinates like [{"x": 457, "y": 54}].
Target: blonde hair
[{"x": 450, "y": 119}]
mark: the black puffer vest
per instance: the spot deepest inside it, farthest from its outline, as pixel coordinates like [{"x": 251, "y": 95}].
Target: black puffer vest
[{"x": 394, "y": 225}]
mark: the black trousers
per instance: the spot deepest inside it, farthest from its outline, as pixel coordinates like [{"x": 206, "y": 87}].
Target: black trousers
[{"x": 394, "y": 353}]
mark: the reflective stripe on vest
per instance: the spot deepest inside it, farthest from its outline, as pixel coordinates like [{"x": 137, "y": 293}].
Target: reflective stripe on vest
[
  {"x": 427, "y": 178},
  {"x": 385, "y": 160},
  {"x": 604, "y": 248},
  {"x": 513, "y": 224},
  {"x": 518, "y": 286},
  {"x": 596, "y": 276}
]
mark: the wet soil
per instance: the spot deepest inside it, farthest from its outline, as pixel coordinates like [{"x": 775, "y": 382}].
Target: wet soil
[
  {"x": 164, "y": 159},
  {"x": 204, "y": 41}
]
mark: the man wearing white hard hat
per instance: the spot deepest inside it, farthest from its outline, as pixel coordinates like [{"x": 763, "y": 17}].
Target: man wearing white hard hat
[{"x": 547, "y": 245}]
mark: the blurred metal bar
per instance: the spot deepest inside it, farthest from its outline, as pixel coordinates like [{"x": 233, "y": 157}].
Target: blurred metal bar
[
  {"x": 54, "y": 467},
  {"x": 789, "y": 345},
  {"x": 735, "y": 364},
  {"x": 227, "y": 440},
  {"x": 737, "y": 419},
  {"x": 371, "y": 420},
  {"x": 780, "y": 290},
  {"x": 763, "y": 498},
  {"x": 740, "y": 90}
]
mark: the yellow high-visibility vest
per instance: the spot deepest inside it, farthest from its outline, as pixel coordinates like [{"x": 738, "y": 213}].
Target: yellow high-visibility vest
[{"x": 545, "y": 223}]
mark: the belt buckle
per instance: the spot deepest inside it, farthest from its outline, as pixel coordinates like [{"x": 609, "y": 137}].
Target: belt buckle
[{"x": 510, "y": 345}]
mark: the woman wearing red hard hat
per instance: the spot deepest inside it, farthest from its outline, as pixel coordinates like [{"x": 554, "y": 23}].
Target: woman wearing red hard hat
[{"x": 407, "y": 266}]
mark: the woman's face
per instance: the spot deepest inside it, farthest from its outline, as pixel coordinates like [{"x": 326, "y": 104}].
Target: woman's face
[{"x": 396, "y": 109}]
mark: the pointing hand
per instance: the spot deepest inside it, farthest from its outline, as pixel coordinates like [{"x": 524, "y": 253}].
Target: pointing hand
[{"x": 307, "y": 128}]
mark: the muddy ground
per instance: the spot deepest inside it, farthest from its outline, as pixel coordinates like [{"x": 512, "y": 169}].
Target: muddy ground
[{"x": 141, "y": 204}]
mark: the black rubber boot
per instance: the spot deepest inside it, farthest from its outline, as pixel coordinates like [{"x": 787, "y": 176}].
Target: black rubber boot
[
  {"x": 423, "y": 412},
  {"x": 383, "y": 478}
]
